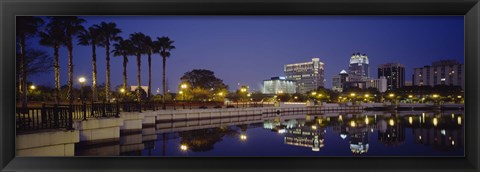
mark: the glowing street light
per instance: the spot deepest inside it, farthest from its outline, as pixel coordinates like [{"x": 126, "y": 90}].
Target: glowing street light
[
  {"x": 391, "y": 95},
  {"x": 243, "y": 137},
  {"x": 352, "y": 94},
  {"x": 367, "y": 95},
  {"x": 220, "y": 93},
  {"x": 82, "y": 80},
  {"x": 183, "y": 86},
  {"x": 435, "y": 96},
  {"x": 122, "y": 90},
  {"x": 33, "y": 87},
  {"x": 391, "y": 122},
  {"x": 314, "y": 93},
  {"x": 353, "y": 124},
  {"x": 82, "y": 83},
  {"x": 410, "y": 96},
  {"x": 184, "y": 147}
]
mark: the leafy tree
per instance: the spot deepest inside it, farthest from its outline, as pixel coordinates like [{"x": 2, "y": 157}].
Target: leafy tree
[
  {"x": 204, "y": 79},
  {"x": 284, "y": 97},
  {"x": 233, "y": 96},
  {"x": 258, "y": 97},
  {"x": 204, "y": 139}
]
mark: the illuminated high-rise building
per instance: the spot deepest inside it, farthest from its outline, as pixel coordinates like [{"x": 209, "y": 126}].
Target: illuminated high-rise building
[
  {"x": 307, "y": 75},
  {"x": 444, "y": 72},
  {"x": 277, "y": 85},
  {"x": 359, "y": 68},
  {"x": 339, "y": 80},
  {"x": 394, "y": 73}
]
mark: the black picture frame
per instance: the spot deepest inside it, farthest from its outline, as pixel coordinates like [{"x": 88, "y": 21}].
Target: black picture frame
[{"x": 10, "y": 8}]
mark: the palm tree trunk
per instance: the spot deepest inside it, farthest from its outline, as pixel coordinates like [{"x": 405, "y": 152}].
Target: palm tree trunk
[
  {"x": 70, "y": 69},
  {"x": 56, "y": 67},
  {"x": 149, "y": 93},
  {"x": 163, "y": 82},
  {"x": 139, "y": 63},
  {"x": 125, "y": 72},
  {"x": 107, "y": 85},
  {"x": 23, "y": 69},
  {"x": 94, "y": 73}
]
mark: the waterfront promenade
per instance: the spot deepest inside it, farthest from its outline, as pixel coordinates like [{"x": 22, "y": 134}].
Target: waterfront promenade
[{"x": 108, "y": 126}]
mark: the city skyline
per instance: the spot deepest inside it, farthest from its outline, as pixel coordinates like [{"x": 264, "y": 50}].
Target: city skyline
[{"x": 230, "y": 45}]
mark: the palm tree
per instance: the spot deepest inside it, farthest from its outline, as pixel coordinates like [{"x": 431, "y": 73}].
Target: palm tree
[
  {"x": 165, "y": 45},
  {"x": 54, "y": 37},
  {"x": 73, "y": 26},
  {"x": 26, "y": 26},
  {"x": 109, "y": 33},
  {"x": 149, "y": 48},
  {"x": 123, "y": 48},
  {"x": 91, "y": 37},
  {"x": 137, "y": 40}
]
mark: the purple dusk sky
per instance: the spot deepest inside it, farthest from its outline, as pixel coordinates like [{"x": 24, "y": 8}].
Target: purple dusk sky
[{"x": 250, "y": 49}]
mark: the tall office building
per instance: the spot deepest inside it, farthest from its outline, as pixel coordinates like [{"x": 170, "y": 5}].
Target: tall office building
[
  {"x": 443, "y": 72},
  {"x": 394, "y": 73},
  {"x": 339, "y": 80},
  {"x": 277, "y": 85},
  {"x": 359, "y": 68},
  {"x": 308, "y": 75}
]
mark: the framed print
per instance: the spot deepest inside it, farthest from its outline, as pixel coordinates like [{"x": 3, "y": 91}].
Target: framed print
[{"x": 255, "y": 85}]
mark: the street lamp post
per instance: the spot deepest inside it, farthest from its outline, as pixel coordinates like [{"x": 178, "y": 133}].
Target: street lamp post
[
  {"x": 174, "y": 104},
  {"x": 82, "y": 80},
  {"x": 183, "y": 98},
  {"x": 122, "y": 91},
  {"x": 183, "y": 87},
  {"x": 243, "y": 90}
]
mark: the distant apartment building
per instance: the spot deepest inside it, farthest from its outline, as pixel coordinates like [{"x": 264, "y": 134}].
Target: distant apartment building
[
  {"x": 307, "y": 75},
  {"x": 394, "y": 73},
  {"x": 359, "y": 68},
  {"x": 339, "y": 80},
  {"x": 277, "y": 85},
  {"x": 380, "y": 84},
  {"x": 443, "y": 72}
]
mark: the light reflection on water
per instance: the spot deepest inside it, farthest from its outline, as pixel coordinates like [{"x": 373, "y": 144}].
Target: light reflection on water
[{"x": 334, "y": 134}]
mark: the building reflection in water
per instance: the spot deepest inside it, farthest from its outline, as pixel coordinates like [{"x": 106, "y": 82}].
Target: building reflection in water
[
  {"x": 442, "y": 132},
  {"x": 445, "y": 135},
  {"x": 391, "y": 132}
]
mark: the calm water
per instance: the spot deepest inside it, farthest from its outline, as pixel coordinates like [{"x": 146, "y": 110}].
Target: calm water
[{"x": 333, "y": 134}]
